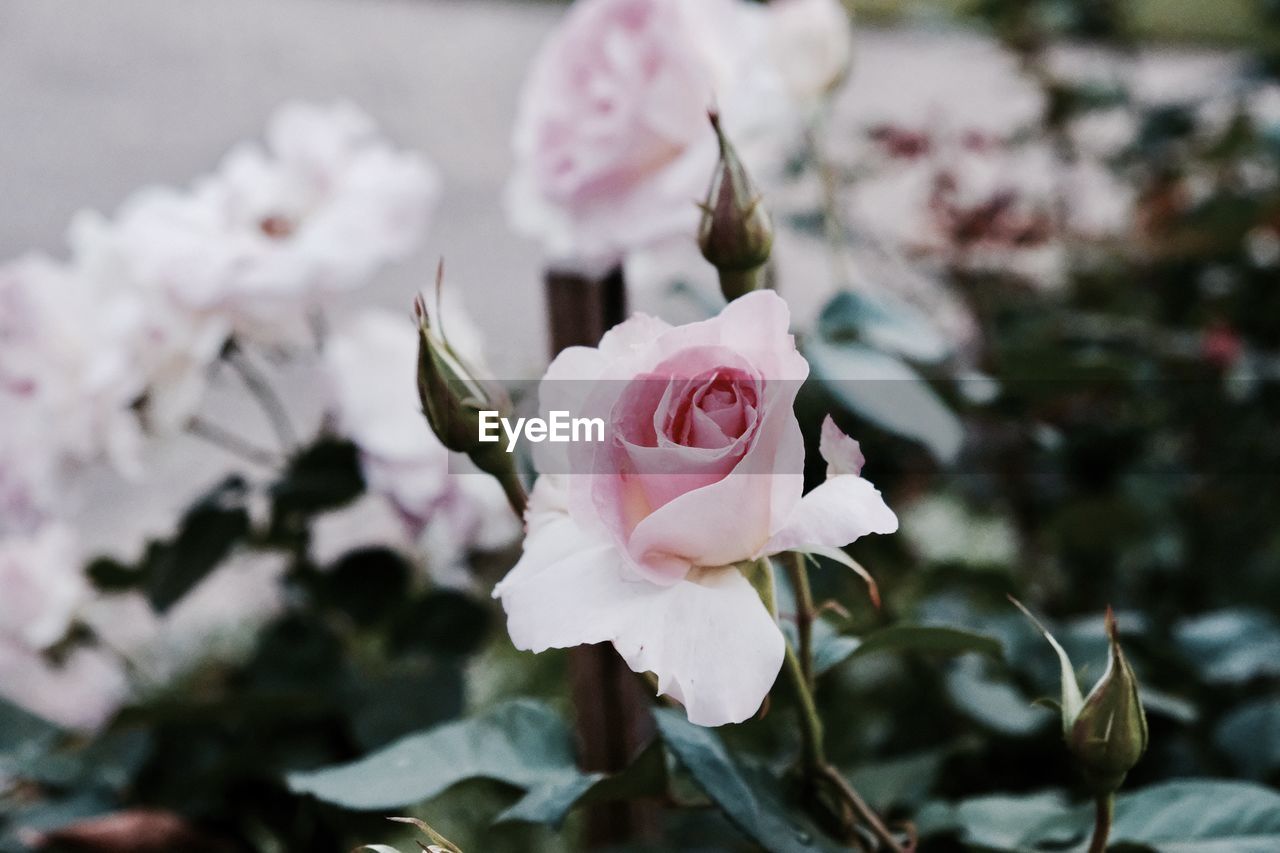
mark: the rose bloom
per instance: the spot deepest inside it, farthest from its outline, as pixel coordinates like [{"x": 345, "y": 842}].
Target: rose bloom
[
  {"x": 612, "y": 142},
  {"x": 44, "y": 592},
  {"x": 811, "y": 43},
  {"x": 700, "y": 469},
  {"x": 279, "y": 228}
]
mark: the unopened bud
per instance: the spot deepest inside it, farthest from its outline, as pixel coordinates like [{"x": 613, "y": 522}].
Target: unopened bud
[
  {"x": 736, "y": 234},
  {"x": 1109, "y": 734},
  {"x": 453, "y": 395},
  {"x": 1105, "y": 731}
]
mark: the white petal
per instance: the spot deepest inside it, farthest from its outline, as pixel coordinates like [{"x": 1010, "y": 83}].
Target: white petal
[
  {"x": 709, "y": 639},
  {"x": 842, "y": 509}
]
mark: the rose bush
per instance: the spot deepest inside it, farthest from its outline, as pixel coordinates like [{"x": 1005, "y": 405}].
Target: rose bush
[{"x": 634, "y": 540}]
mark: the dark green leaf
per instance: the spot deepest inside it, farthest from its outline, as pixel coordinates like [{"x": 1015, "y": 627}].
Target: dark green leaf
[
  {"x": 747, "y": 794},
  {"x": 995, "y": 703},
  {"x": 1231, "y": 646},
  {"x": 442, "y": 622},
  {"x": 209, "y": 531},
  {"x": 324, "y": 476},
  {"x": 521, "y": 743},
  {"x": 932, "y": 639},
  {"x": 1251, "y": 736},
  {"x": 1199, "y": 816},
  {"x": 882, "y": 389},
  {"x": 884, "y": 322}
]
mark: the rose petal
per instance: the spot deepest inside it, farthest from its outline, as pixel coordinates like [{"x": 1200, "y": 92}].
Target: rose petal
[
  {"x": 709, "y": 639},
  {"x": 842, "y": 509},
  {"x": 842, "y": 453}
]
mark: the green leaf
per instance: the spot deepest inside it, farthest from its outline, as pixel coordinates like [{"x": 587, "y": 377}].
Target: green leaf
[
  {"x": 1250, "y": 735},
  {"x": 522, "y": 743},
  {"x": 998, "y": 821},
  {"x": 321, "y": 477},
  {"x": 882, "y": 389},
  {"x": 750, "y": 797},
  {"x": 884, "y": 322},
  {"x": 933, "y": 639},
  {"x": 995, "y": 703},
  {"x": 1186, "y": 816},
  {"x": 207, "y": 534},
  {"x": 1199, "y": 816},
  {"x": 902, "y": 781},
  {"x": 1231, "y": 646}
]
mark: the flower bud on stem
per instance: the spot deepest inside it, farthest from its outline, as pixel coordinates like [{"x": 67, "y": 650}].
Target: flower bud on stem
[
  {"x": 736, "y": 233},
  {"x": 1106, "y": 731},
  {"x": 453, "y": 396}
]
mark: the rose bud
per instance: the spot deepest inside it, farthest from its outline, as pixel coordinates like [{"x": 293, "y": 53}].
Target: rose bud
[
  {"x": 736, "y": 233},
  {"x": 1109, "y": 734},
  {"x": 1105, "y": 731},
  {"x": 453, "y": 395}
]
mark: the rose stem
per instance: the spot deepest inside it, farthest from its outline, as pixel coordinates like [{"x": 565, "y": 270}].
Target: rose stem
[
  {"x": 813, "y": 759},
  {"x": 805, "y": 613},
  {"x": 741, "y": 281},
  {"x": 1104, "y": 810},
  {"x": 232, "y": 443},
  {"x": 265, "y": 395}
]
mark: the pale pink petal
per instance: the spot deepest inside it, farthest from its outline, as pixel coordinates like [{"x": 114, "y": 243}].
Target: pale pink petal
[
  {"x": 842, "y": 509},
  {"x": 709, "y": 639},
  {"x": 842, "y": 453}
]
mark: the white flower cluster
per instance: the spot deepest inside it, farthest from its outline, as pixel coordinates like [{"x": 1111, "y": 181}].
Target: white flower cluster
[{"x": 116, "y": 342}]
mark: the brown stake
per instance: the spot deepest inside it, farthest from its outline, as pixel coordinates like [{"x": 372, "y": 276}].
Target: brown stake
[{"x": 612, "y": 710}]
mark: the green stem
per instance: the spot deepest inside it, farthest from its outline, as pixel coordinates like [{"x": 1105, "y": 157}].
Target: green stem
[
  {"x": 805, "y": 613},
  {"x": 1104, "y": 810},
  {"x": 232, "y": 443},
  {"x": 734, "y": 283},
  {"x": 812, "y": 754},
  {"x": 813, "y": 762},
  {"x": 260, "y": 388}
]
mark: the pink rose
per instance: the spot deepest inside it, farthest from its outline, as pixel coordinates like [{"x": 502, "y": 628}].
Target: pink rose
[
  {"x": 633, "y": 540},
  {"x": 611, "y": 141}
]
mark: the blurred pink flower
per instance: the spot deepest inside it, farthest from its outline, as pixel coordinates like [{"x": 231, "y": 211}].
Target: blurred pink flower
[
  {"x": 612, "y": 142},
  {"x": 632, "y": 540}
]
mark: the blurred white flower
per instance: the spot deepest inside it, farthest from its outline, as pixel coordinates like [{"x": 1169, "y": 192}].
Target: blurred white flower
[
  {"x": 44, "y": 592},
  {"x": 217, "y": 621},
  {"x": 81, "y": 691},
  {"x": 944, "y": 530},
  {"x": 811, "y": 43},
  {"x": 612, "y": 142},
  {"x": 370, "y": 363},
  {"x": 43, "y": 587},
  {"x": 66, "y": 377},
  {"x": 281, "y": 227},
  {"x": 174, "y": 345}
]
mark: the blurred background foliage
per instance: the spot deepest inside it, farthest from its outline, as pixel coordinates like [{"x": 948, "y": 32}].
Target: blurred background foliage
[{"x": 1120, "y": 447}]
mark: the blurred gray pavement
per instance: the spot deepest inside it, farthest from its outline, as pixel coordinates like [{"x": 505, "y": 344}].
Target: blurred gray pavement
[{"x": 99, "y": 98}]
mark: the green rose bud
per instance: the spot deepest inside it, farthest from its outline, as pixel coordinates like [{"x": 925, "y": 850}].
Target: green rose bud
[
  {"x": 1109, "y": 734},
  {"x": 453, "y": 395},
  {"x": 736, "y": 233},
  {"x": 1105, "y": 731}
]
